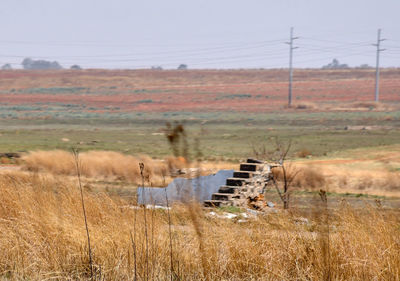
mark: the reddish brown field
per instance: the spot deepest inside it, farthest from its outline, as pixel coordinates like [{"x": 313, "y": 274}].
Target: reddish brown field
[{"x": 195, "y": 90}]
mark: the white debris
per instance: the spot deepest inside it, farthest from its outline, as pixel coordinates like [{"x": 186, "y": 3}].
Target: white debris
[
  {"x": 224, "y": 215},
  {"x": 155, "y": 207},
  {"x": 270, "y": 204},
  {"x": 151, "y": 207},
  {"x": 230, "y": 215},
  {"x": 253, "y": 213}
]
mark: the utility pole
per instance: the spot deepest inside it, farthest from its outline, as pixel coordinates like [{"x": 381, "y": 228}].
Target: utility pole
[
  {"x": 378, "y": 51},
  {"x": 291, "y": 48}
]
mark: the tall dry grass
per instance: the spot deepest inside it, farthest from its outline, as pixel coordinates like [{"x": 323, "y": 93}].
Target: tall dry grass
[
  {"x": 42, "y": 236},
  {"x": 103, "y": 164},
  {"x": 312, "y": 177}
]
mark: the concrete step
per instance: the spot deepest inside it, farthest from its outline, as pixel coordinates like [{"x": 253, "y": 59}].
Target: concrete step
[
  {"x": 249, "y": 167},
  {"x": 235, "y": 181},
  {"x": 243, "y": 175},
  {"x": 254, "y": 161},
  {"x": 222, "y": 196},
  {"x": 229, "y": 189},
  {"x": 213, "y": 203}
]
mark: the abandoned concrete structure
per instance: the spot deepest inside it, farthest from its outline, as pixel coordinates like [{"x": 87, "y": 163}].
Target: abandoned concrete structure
[{"x": 246, "y": 185}]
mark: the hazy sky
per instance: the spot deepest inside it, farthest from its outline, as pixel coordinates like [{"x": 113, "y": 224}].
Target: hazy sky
[{"x": 201, "y": 34}]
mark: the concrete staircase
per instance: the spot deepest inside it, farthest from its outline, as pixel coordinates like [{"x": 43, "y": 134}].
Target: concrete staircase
[{"x": 246, "y": 184}]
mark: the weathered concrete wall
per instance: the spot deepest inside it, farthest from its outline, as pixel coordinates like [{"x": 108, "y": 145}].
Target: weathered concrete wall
[{"x": 183, "y": 190}]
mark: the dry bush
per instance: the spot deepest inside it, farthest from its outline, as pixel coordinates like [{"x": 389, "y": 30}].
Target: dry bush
[
  {"x": 366, "y": 105},
  {"x": 176, "y": 162},
  {"x": 391, "y": 181},
  {"x": 310, "y": 178},
  {"x": 42, "y": 236},
  {"x": 382, "y": 183},
  {"x": 305, "y": 106},
  {"x": 364, "y": 182},
  {"x": 102, "y": 164},
  {"x": 303, "y": 153},
  {"x": 304, "y": 177},
  {"x": 5, "y": 160}
]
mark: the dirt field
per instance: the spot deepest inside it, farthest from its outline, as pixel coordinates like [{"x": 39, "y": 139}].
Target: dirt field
[{"x": 107, "y": 91}]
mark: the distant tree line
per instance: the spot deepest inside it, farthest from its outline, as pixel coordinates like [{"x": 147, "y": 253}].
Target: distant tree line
[
  {"x": 30, "y": 64},
  {"x": 335, "y": 64},
  {"x": 6, "y": 66},
  {"x": 180, "y": 67}
]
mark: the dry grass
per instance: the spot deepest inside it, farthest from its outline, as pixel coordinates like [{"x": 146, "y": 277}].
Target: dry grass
[
  {"x": 99, "y": 165},
  {"x": 309, "y": 178},
  {"x": 303, "y": 177},
  {"x": 305, "y": 106},
  {"x": 103, "y": 164},
  {"x": 303, "y": 153},
  {"x": 362, "y": 106},
  {"x": 365, "y": 170},
  {"x": 342, "y": 180},
  {"x": 42, "y": 236},
  {"x": 380, "y": 183}
]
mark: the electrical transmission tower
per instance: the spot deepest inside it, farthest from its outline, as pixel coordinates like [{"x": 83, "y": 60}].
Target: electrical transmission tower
[
  {"x": 291, "y": 48},
  {"x": 378, "y": 51}
]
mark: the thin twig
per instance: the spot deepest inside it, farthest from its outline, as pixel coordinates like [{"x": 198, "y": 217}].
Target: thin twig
[
  {"x": 153, "y": 260},
  {"x": 134, "y": 248},
  {"x": 170, "y": 236},
  {"x": 141, "y": 165},
  {"x": 277, "y": 189},
  {"x": 134, "y": 240},
  {"x": 78, "y": 171},
  {"x": 325, "y": 235}
]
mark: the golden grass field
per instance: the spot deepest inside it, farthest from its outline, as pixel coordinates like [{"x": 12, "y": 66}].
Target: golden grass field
[
  {"x": 367, "y": 170},
  {"x": 43, "y": 237}
]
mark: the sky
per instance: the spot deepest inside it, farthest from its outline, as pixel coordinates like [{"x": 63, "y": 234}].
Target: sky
[{"x": 202, "y": 34}]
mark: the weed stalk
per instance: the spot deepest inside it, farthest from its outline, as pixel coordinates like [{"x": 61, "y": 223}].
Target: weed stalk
[{"x": 78, "y": 172}]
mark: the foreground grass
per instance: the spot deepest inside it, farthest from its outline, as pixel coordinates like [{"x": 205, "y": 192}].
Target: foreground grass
[{"x": 42, "y": 236}]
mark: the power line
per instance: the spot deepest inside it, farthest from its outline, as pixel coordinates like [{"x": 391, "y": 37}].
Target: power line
[{"x": 217, "y": 54}]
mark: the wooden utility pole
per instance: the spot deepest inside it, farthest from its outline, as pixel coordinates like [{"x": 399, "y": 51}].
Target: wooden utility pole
[
  {"x": 378, "y": 51},
  {"x": 291, "y": 48}
]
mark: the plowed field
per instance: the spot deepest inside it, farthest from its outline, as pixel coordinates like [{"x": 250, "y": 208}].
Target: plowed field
[{"x": 255, "y": 91}]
